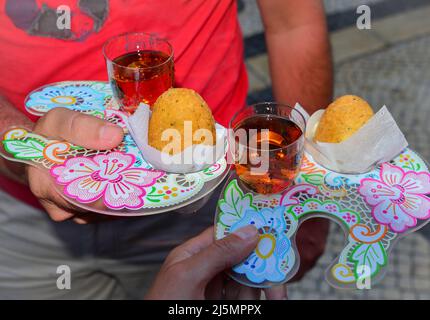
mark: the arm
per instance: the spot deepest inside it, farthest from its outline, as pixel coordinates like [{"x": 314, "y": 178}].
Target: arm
[
  {"x": 299, "y": 52},
  {"x": 10, "y": 116}
]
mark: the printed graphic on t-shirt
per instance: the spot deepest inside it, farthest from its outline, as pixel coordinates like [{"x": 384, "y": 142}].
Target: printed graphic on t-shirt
[{"x": 41, "y": 17}]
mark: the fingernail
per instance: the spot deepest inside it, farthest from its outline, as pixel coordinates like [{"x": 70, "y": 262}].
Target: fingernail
[
  {"x": 247, "y": 233},
  {"x": 108, "y": 132}
]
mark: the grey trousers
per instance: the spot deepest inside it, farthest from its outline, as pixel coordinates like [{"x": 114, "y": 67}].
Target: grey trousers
[{"x": 109, "y": 260}]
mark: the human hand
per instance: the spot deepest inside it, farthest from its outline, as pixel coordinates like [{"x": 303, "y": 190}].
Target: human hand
[
  {"x": 79, "y": 129},
  {"x": 194, "y": 270}
]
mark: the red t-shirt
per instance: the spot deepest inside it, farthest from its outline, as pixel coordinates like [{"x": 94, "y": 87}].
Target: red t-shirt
[{"x": 205, "y": 35}]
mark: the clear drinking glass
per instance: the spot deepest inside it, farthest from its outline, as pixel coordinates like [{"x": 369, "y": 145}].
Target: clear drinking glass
[
  {"x": 267, "y": 142},
  {"x": 140, "y": 68}
]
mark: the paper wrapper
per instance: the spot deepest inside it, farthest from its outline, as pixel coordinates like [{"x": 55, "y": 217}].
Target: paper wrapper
[
  {"x": 192, "y": 159},
  {"x": 378, "y": 141}
]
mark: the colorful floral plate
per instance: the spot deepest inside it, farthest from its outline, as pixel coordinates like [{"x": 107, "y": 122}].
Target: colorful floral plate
[
  {"x": 115, "y": 182},
  {"x": 375, "y": 210}
]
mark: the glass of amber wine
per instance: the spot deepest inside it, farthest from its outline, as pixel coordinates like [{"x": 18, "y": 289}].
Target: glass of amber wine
[
  {"x": 140, "y": 68},
  {"x": 267, "y": 145}
]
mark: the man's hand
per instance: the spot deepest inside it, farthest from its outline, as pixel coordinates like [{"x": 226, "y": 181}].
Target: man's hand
[
  {"x": 299, "y": 52},
  {"x": 195, "y": 269},
  {"x": 79, "y": 129}
]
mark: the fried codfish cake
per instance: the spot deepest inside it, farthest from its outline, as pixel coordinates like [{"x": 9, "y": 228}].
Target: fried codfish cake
[
  {"x": 342, "y": 119},
  {"x": 172, "y": 110}
]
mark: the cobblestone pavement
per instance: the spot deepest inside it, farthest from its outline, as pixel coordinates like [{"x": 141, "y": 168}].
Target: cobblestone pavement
[
  {"x": 384, "y": 68},
  {"x": 333, "y": 6},
  {"x": 251, "y": 21}
]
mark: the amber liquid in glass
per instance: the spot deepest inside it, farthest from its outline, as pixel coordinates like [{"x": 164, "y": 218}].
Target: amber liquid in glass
[
  {"x": 284, "y": 162},
  {"x": 147, "y": 75}
]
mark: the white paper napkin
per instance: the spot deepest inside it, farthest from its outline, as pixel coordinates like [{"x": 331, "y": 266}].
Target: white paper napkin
[{"x": 192, "y": 159}]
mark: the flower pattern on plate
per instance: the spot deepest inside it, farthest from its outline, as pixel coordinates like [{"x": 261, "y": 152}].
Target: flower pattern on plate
[
  {"x": 398, "y": 198},
  {"x": 79, "y": 97},
  {"x": 110, "y": 176},
  {"x": 266, "y": 261}
]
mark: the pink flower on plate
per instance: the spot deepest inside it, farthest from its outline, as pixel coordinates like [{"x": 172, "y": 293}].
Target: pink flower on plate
[
  {"x": 399, "y": 198},
  {"x": 109, "y": 176}
]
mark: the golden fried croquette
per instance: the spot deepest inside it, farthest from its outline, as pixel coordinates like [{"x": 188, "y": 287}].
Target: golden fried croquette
[
  {"x": 172, "y": 110},
  {"x": 342, "y": 119}
]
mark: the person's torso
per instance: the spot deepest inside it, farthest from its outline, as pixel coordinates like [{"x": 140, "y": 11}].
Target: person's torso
[{"x": 37, "y": 48}]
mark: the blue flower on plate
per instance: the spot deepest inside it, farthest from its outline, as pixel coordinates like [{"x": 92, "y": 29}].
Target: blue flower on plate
[
  {"x": 265, "y": 262},
  {"x": 71, "y": 96}
]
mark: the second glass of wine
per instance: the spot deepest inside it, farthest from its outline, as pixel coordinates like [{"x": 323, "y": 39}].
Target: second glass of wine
[
  {"x": 140, "y": 68},
  {"x": 267, "y": 144}
]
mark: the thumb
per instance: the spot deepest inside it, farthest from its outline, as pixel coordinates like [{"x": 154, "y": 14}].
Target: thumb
[
  {"x": 223, "y": 254},
  {"x": 80, "y": 129}
]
